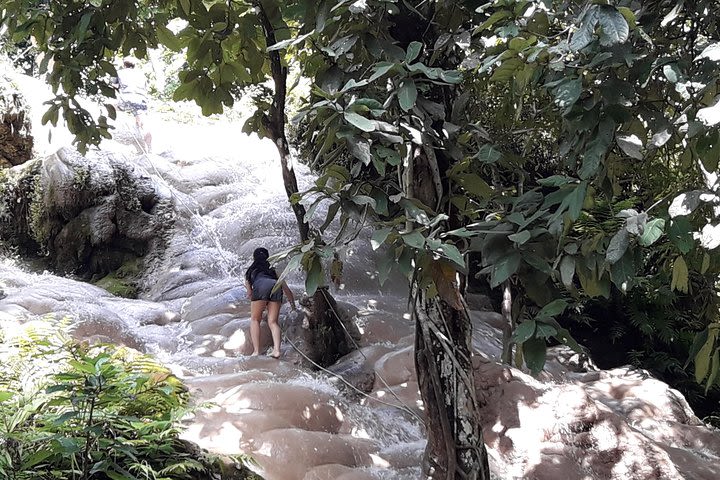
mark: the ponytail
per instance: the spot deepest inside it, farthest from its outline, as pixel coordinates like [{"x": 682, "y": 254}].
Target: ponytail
[{"x": 260, "y": 265}]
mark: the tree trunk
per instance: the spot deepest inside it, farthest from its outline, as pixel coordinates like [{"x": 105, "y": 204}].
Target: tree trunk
[
  {"x": 508, "y": 325},
  {"x": 455, "y": 448},
  {"x": 276, "y": 121},
  {"x": 327, "y": 331},
  {"x": 16, "y": 142}
]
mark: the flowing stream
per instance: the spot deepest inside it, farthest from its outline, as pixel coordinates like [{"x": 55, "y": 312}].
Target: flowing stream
[{"x": 297, "y": 423}]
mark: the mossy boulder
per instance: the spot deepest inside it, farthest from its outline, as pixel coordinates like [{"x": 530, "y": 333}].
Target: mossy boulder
[{"x": 86, "y": 215}]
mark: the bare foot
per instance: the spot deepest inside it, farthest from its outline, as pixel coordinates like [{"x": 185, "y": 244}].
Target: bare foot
[
  {"x": 255, "y": 354},
  {"x": 275, "y": 355}
]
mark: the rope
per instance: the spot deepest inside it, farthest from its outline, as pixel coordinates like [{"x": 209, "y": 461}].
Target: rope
[
  {"x": 357, "y": 347},
  {"x": 402, "y": 405}
]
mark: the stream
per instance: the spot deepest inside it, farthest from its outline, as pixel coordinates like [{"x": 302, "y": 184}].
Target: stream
[{"x": 193, "y": 315}]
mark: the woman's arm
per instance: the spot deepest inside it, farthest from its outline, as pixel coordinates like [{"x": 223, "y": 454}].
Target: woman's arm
[
  {"x": 289, "y": 295},
  {"x": 248, "y": 289}
]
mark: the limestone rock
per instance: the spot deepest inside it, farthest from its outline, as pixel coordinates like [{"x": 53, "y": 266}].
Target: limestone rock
[{"x": 90, "y": 214}]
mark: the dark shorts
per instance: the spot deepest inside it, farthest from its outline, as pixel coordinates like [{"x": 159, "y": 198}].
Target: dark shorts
[{"x": 262, "y": 290}]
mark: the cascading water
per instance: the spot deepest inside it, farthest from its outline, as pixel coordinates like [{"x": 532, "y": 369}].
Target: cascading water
[{"x": 230, "y": 199}]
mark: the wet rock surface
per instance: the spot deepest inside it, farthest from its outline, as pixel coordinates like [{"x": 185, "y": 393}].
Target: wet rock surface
[{"x": 571, "y": 422}]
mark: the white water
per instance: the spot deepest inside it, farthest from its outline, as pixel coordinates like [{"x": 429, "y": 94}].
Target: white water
[{"x": 223, "y": 224}]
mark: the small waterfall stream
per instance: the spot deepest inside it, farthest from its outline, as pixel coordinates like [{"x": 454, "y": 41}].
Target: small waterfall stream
[{"x": 298, "y": 424}]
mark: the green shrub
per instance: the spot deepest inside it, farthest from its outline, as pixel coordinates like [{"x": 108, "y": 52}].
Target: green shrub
[{"x": 74, "y": 411}]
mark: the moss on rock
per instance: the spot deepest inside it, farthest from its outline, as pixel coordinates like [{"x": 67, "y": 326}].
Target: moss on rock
[{"x": 120, "y": 287}]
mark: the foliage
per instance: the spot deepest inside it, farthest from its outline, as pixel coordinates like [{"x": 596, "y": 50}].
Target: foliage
[
  {"x": 631, "y": 100},
  {"x": 70, "y": 410}
]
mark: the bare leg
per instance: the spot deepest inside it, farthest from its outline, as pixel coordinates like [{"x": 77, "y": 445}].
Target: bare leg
[
  {"x": 146, "y": 135},
  {"x": 256, "y": 310},
  {"x": 272, "y": 318}
]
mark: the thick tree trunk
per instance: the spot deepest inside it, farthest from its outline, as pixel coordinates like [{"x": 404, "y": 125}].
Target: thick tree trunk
[{"x": 455, "y": 448}]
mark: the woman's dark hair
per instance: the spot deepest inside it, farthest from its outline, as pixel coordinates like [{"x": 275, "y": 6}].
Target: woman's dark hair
[{"x": 260, "y": 265}]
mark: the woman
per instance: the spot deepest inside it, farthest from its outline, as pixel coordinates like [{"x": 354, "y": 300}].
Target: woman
[{"x": 260, "y": 280}]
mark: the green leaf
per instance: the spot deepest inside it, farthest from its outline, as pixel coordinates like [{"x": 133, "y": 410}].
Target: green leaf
[
  {"x": 614, "y": 27},
  {"x": 185, "y": 4},
  {"x": 705, "y": 264},
  {"x": 488, "y": 154},
  {"x": 35, "y": 459},
  {"x": 380, "y": 70},
  {"x": 555, "y": 181},
  {"x": 622, "y": 273},
  {"x": 680, "y": 275},
  {"x": 568, "y": 92},
  {"x": 653, "y": 231},
  {"x": 684, "y": 204},
  {"x": 494, "y": 18},
  {"x": 363, "y": 200},
  {"x": 474, "y": 185},
  {"x": 537, "y": 262},
  {"x": 618, "y": 246},
  {"x": 360, "y": 149},
  {"x": 535, "y": 351},
  {"x": 631, "y": 145},
  {"x": 292, "y": 265},
  {"x": 407, "y": 94},
  {"x": 680, "y": 234},
  {"x": 413, "y": 51},
  {"x": 629, "y": 16},
  {"x": 379, "y": 236},
  {"x": 83, "y": 26},
  {"x": 565, "y": 338},
  {"x": 520, "y": 237},
  {"x": 714, "y": 368},
  {"x": 523, "y": 332},
  {"x": 168, "y": 38},
  {"x": 576, "y": 199},
  {"x": 314, "y": 276},
  {"x": 505, "y": 268},
  {"x": 414, "y": 239},
  {"x": 451, "y": 252},
  {"x": 711, "y": 52},
  {"x": 545, "y": 331},
  {"x": 362, "y": 123},
  {"x": 553, "y": 309},
  {"x": 702, "y": 359}
]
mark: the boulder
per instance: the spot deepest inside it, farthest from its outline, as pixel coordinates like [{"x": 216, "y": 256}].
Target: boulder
[{"x": 90, "y": 214}]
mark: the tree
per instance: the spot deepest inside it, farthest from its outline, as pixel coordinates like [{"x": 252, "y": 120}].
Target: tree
[
  {"x": 385, "y": 94},
  {"x": 630, "y": 93},
  {"x": 573, "y": 123},
  {"x": 225, "y": 45}
]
